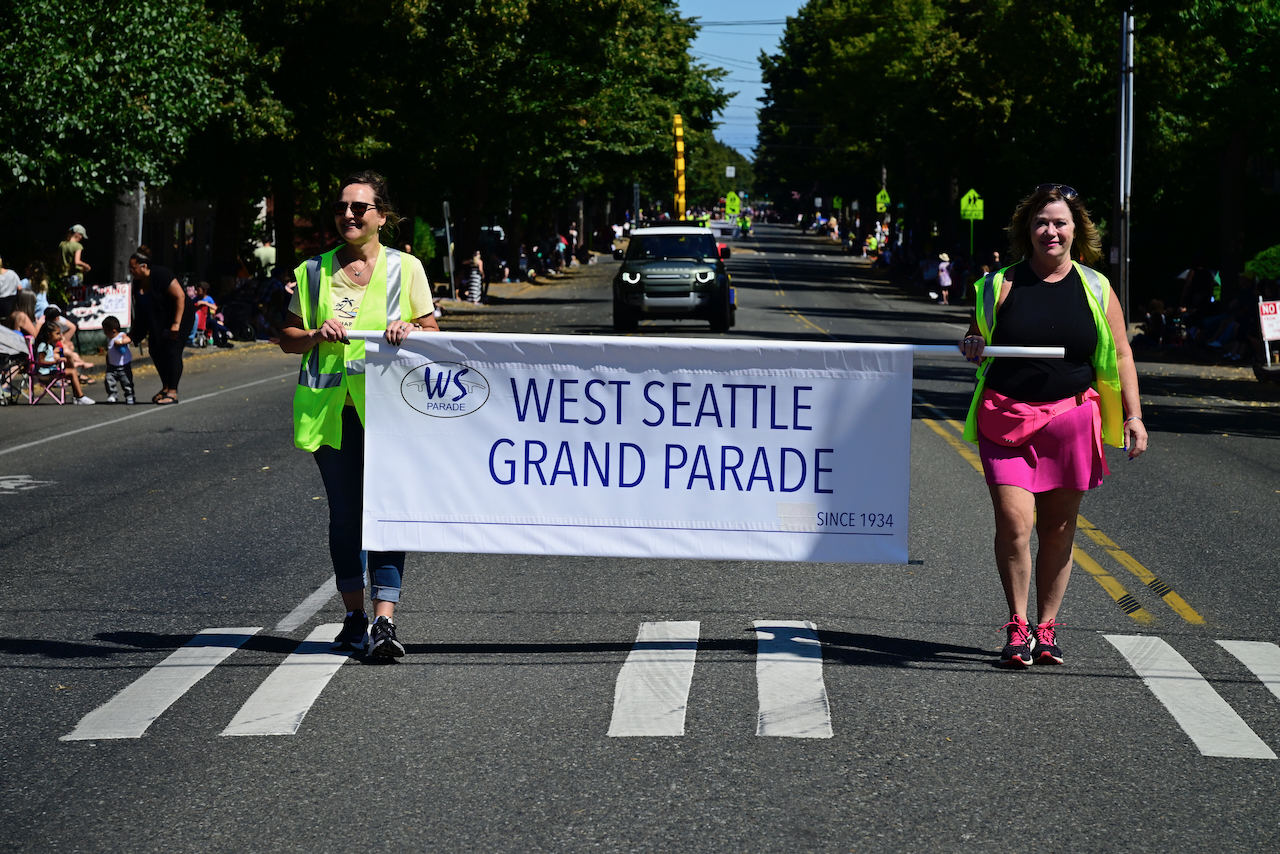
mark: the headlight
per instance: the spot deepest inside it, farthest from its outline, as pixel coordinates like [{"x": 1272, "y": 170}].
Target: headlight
[
  {"x": 631, "y": 278},
  {"x": 703, "y": 277}
]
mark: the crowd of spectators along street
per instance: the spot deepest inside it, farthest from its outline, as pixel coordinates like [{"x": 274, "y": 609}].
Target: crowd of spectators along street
[
  {"x": 1207, "y": 321},
  {"x": 38, "y": 337}
]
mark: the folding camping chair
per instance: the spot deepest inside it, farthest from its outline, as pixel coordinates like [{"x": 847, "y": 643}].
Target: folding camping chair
[{"x": 53, "y": 383}]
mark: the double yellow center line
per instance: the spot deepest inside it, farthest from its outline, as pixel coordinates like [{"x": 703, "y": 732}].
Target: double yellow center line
[{"x": 1106, "y": 580}]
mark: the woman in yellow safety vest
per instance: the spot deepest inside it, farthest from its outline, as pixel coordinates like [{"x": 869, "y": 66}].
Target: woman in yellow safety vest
[
  {"x": 359, "y": 284},
  {"x": 1040, "y": 423}
]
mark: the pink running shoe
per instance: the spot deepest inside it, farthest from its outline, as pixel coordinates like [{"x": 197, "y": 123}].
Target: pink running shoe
[
  {"x": 1017, "y": 652},
  {"x": 1046, "y": 647}
]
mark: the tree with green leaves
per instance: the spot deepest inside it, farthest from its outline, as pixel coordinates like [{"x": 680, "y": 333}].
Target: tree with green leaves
[
  {"x": 97, "y": 96},
  {"x": 940, "y": 96}
]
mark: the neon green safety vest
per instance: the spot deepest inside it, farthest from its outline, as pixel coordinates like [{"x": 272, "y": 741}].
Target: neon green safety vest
[
  {"x": 332, "y": 370},
  {"x": 1105, "y": 371}
]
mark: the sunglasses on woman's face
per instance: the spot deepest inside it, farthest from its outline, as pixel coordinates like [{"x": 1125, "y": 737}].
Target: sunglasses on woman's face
[
  {"x": 358, "y": 209},
  {"x": 1068, "y": 192}
]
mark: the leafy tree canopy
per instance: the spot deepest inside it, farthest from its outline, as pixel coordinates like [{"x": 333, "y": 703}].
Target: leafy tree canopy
[{"x": 99, "y": 95}]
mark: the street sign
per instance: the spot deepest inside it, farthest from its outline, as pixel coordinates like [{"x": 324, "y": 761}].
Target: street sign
[
  {"x": 882, "y": 201},
  {"x": 971, "y": 205},
  {"x": 837, "y": 203},
  {"x": 1269, "y": 315},
  {"x": 817, "y": 202},
  {"x": 730, "y": 171},
  {"x": 732, "y": 204}
]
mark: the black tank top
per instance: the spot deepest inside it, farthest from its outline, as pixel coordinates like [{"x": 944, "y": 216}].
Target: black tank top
[{"x": 1042, "y": 314}]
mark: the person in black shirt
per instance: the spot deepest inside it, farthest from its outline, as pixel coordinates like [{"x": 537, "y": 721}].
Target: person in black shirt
[
  {"x": 1040, "y": 423},
  {"x": 165, "y": 316}
]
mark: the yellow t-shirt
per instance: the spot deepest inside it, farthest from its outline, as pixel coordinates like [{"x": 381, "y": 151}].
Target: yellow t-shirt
[{"x": 348, "y": 294}]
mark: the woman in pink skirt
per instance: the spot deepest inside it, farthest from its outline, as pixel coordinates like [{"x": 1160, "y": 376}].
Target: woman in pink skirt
[{"x": 1040, "y": 424}]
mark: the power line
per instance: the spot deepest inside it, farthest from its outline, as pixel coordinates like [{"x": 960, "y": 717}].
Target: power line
[{"x": 742, "y": 23}]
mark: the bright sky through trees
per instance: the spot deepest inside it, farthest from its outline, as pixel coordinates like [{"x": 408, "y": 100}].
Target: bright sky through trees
[{"x": 733, "y": 34}]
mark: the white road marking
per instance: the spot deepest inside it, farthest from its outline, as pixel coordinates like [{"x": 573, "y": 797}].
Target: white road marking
[
  {"x": 793, "y": 697},
  {"x": 11, "y": 483},
  {"x": 1262, "y": 659},
  {"x": 308, "y": 607},
  {"x": 285, "y": 697},
  {"x": 652, "y": 691},
  {"x": 1201, "y": 712},
  {"x": 144, "y": 410},
  {"x": 129, "y": 713}
]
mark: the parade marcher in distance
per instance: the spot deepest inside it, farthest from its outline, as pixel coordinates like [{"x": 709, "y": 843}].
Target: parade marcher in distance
[
  {"x": 359, "y": 284},
  {"x": 1037, "y": 477}
]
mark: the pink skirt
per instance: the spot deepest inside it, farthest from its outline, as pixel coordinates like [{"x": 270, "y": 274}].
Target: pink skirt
[{"x": 1064, "y": 454}]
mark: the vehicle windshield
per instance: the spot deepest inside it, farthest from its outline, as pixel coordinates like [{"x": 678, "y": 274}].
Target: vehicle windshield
[{"x": 649, "y": 247}]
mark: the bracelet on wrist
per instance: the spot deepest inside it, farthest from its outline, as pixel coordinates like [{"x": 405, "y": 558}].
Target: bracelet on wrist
[{"x": 1133, "y": 418}]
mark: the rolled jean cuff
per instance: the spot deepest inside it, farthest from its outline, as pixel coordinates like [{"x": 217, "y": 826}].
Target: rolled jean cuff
[
  {"x": 384, "y": 594},
  {"x": 354, "y": 582}
]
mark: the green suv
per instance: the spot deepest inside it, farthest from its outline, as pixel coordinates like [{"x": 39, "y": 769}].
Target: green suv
[{"x": 672, "y": 272}]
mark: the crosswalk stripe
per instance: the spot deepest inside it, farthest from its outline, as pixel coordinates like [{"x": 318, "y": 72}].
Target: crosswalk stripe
[
  {"x": 1262, "y": 659},
  {"x": 129, "y": 713},
  {"x": 1201, "y": 712},
  {"x": 652, "y": 691},
  {"x": 308, "y": 607},
  {"x": 793, "y": 697},
  {"x": 284, "y": 697}
]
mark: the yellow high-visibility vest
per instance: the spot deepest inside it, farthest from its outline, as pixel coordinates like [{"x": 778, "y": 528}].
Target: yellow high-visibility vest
[
  {"x": 1106, "y": 373},
  {"x": 332, "y": 370}
]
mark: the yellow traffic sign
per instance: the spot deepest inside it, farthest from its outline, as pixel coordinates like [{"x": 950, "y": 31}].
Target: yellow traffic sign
[
  {"x": 732, "y": 204},
  {"x": 882, "y": 201},
  {"x": 971, "y": 205}
]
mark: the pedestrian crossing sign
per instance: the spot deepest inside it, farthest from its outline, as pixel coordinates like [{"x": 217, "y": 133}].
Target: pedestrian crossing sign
[
  {"x": 971, "y": 205},
  {"x": 882, "y": 201},
  {"x": 732, "y": 204}
]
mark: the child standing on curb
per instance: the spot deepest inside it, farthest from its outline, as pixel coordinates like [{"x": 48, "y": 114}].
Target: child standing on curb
[{"x": 119, "y": 361}]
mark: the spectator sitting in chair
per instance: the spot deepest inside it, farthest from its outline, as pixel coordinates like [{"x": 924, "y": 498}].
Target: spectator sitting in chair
[
  {"x": 220, "y": 334},
  {"x": 50, "y": 356}
]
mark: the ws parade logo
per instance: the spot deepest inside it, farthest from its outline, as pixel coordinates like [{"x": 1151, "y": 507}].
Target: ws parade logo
[{"x": 445, "y": 389}]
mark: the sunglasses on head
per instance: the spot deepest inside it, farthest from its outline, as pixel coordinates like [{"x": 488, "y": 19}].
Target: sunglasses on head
[
  {"x": 1068, "y": 192},
  {"x": 358, "y": 209}
]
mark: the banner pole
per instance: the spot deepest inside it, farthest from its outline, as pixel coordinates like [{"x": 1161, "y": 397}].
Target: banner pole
[{"x": 919, "y": 349}]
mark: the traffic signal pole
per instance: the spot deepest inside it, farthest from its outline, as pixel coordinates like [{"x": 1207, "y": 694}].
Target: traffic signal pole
[{"x": 679, "y": 200}]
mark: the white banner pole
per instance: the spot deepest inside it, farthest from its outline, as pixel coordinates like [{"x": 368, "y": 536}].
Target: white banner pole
[
  {"x": 994, "y": 350},
  {"x": 920, "y": 349}
]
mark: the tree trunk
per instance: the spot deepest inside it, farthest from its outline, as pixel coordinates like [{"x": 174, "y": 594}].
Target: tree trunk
[
  {"x": 285, "y": 205},
  {"x": 1232, "y": 214},
  {"x": 226, "y": 261}
]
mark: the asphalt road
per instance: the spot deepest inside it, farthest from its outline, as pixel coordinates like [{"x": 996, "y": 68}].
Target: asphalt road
[{"x": 130, "y": 531}]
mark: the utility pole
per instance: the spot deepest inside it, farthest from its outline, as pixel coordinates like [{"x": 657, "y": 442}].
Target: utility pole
[{"x": 1124, "y": 162}]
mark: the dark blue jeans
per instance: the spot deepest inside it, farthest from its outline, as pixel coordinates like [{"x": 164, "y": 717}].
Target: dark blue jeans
[{"x": 342, "y": 470}]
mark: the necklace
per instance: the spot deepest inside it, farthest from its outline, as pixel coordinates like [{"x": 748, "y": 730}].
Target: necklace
[{"x": 350, "y": 265}]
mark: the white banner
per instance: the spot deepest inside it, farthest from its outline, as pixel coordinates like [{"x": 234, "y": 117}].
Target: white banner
[{"x": 636, "y": 447}]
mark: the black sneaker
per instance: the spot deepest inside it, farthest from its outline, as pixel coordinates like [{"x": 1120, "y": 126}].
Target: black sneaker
[
  {"x": 1017, "y": 652},
  {"x": 383, "y": 639},
  {"x": 1047, "y": 651},
  {"x": 354, "y": 636}
]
